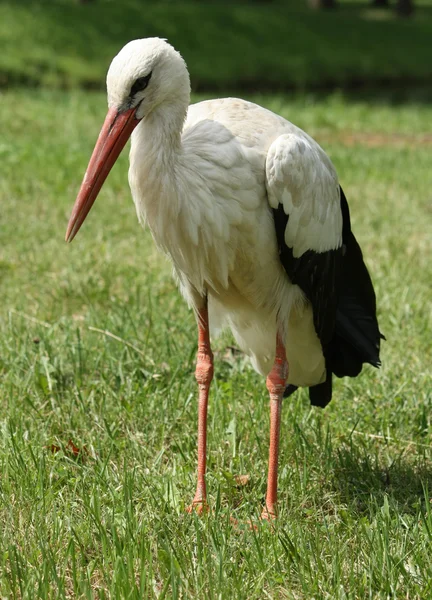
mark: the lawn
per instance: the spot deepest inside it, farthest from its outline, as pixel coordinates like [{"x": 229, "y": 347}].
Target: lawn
[
  {"x": 227, "y": 44},
  {"x": 98, "y": 400}
]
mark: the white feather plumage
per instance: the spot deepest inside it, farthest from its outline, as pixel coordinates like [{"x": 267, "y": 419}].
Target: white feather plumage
[{"x": 204, "y": 179}]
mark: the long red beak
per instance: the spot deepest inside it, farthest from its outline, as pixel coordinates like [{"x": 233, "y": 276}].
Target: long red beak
[{"x": 114, "y": 134}]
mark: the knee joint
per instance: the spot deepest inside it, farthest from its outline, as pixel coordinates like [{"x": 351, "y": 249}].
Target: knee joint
[
  {"x": 276, "y": 379},
  {"x": 204, "y": 368}
]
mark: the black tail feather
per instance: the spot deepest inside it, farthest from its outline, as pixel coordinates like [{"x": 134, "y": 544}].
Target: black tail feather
[
  {"x": 289, "y": 390},
  {"x": 356, "y": 338},
  {"x": 321, "y": 394}
]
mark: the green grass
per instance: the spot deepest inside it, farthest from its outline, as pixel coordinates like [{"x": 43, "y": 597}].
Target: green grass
[
  {"x": 235, "y": 45},
  {"x": 355, "y": 513}
]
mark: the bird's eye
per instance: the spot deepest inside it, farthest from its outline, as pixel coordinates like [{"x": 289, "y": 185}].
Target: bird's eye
[{"x": 140, "y": 84}]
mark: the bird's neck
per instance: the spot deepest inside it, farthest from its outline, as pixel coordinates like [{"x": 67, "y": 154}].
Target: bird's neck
[
  {"x": 155, "y": 150},
  {"x": 169, "y": 194}
]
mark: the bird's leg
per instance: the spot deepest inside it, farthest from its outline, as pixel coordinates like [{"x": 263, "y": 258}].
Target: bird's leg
[
  {"x": 276, "y": 382},
  {"x": 203, "y": 375}
]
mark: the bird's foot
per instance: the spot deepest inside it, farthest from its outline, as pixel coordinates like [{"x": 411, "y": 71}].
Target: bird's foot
[
  {"x": 200, "y": 507},
  {"x": 269, "y": 513}
]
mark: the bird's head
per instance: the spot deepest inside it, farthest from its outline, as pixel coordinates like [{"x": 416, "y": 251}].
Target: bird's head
[{"x": 144, "y": 75}]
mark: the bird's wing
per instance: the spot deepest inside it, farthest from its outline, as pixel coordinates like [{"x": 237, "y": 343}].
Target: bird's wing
[{"x": 304, "y": 193}]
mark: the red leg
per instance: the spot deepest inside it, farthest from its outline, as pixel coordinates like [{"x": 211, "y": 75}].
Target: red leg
[
  {"x": 203, "y": 375},
  {"x": 276, "y": 382}
]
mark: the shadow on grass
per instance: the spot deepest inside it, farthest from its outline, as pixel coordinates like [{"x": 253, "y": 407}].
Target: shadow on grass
[{"x": 363, "y": 480}]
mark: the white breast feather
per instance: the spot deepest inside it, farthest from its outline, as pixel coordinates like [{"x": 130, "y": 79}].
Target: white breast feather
[{"x": 196, "y": 215}]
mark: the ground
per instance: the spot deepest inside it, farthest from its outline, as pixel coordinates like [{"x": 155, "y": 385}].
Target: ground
[{"x": 98, "y": 400}]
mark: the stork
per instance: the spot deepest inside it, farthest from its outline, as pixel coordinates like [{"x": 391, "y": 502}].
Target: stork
[{"x": 249, "y": 209}]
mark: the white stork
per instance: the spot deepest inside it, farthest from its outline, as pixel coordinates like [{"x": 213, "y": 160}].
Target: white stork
[{"x": 249, "y": 209}]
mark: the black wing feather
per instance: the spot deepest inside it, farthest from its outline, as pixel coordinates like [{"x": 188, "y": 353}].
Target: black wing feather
[
  {"x": 316, "y": 273},
  {"x": 338, "y": 286}
]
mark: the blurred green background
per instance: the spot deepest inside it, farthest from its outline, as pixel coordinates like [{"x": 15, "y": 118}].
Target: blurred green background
[{"x": 268, "y": 45}]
